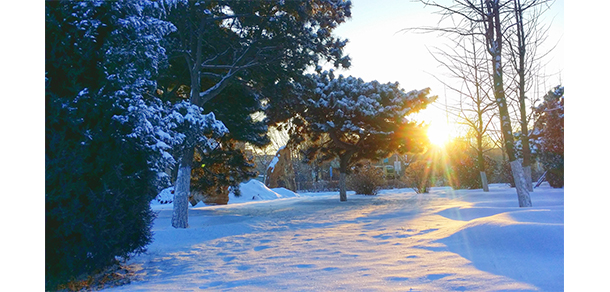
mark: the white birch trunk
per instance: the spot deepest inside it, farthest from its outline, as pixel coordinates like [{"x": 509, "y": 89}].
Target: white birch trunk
[
  {"x": 484, "y": 181},
  {"x": 181, "y": 196},
  {"x": 522, "y": 192}
]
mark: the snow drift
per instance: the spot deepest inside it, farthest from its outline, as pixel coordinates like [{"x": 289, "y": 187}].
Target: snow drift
[{"x": 252, "y": 190}]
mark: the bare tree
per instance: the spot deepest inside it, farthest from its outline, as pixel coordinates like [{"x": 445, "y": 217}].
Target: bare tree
[
  {"x": 525, "y": 36},
  {"x": 487, "y": 19},
  {"x": 466, "y": 61}
]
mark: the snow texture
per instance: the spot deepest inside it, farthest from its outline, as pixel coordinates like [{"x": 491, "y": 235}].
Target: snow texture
[{"x": 465, "y": 240}]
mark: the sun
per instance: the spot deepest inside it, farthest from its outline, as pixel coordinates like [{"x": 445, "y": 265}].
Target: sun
[{"x": 438, "y": 133}]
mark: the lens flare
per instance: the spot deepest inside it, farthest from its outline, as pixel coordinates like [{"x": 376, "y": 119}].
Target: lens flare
[{"x": 438, "y": 134}]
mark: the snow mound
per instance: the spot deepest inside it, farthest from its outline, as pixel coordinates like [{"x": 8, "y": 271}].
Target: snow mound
[
  {"x": 254, "y": 190},
  {"x": 285, "y": 193},
  {"x": 166, "y": 196}
]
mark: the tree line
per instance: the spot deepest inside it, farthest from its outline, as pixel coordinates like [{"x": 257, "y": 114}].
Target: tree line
[{"x": 493, "y": 54}]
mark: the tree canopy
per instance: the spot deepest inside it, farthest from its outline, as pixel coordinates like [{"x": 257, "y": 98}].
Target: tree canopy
[{"x": 347, "y": 118}]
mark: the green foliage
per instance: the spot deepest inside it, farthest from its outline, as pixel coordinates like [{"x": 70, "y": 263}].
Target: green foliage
[
  {"x": 548, "y": 135},
  {"x": 366, "y": 179},
  {"x": 97, "y": 197},
  {"x": 347, "y": 118},
  {"x": 248, "y": 51},
  {"x": 225, "y": 166},
  {"x": 100, "y": 170}
]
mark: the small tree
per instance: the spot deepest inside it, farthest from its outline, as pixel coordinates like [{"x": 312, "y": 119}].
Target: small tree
[
  {"x": 353, "y": 120},
  {"x": 418, "y": 176}
]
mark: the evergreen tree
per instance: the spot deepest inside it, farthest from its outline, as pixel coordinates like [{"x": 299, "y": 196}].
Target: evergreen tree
[
  {"x": 353, "y": 120},
  {"x": 548, "y": 135},
  {"x": 256, "y": 44},
  {"x": 107, "y": 139},
  {"x": 227, "y": 165}
]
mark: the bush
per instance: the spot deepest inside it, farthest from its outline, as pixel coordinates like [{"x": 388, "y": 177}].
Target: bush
[
  {"x": 366, "y": 180},
  {"x": 102, "y": 156},
  {"x": 553, "y": 162},
  {"x": 97, "y": 197},
  {"x": 215, "y": 172},
  {"x": 549, "y": 135},
  {"x": 418, "y": 176},
  {"x": 467, "y": 173}
]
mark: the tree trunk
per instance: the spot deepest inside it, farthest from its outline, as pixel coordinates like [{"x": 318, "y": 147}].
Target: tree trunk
[
  {"x": 521, "y": 46},
  {"x": 481, "y": 158},
  {"x": 183, "y": 181},
  {"x": 342, "y": 190},
  {"x": 484, "y": 181},
  {"x": 527, "y": 173},
  {"x": 343, "y": 161},
  {"x": 522, "y": 192},
  {"x": 526, "y": 151},
  {"x": 494, "y": 39},
  {"x": 182, "y": 190}
]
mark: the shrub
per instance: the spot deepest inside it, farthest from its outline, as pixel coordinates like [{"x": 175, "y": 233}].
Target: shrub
[
  {"x": 366, "y": 180},
  {"x": 418, "y": 176},
  {"x": 97, "y": 197},
  {"x": 467, "y": 173},
  {"x": 215, "y": 172}
]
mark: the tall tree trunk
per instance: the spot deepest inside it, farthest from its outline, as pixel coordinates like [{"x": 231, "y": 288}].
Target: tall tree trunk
[
  {"x": 180, "y": 214},
  {"x": 526, "y": 152},
  {"x": 182, "y": 190},
  {"x": 494, "y": 42},
  {"x": 515, "y": 165},
  {"x": 183, "y": 181}
]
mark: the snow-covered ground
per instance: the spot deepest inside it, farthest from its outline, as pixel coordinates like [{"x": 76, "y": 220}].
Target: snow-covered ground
[{"x": 447, "y": 240}]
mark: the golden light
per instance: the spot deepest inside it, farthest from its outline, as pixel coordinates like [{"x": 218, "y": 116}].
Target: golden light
[{"x": 438, "y": 133}]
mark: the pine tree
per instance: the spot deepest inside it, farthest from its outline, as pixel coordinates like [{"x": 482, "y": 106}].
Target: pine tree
[
  {"x": 353, "y": 120},
  {"x": 260, "y": 44}
]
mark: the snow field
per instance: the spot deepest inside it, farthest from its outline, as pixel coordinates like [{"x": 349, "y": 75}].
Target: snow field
[{"x": 396, "y": 241}]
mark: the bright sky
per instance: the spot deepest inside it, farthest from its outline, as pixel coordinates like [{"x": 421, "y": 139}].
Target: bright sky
[{"x": 380, "y": 51}]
